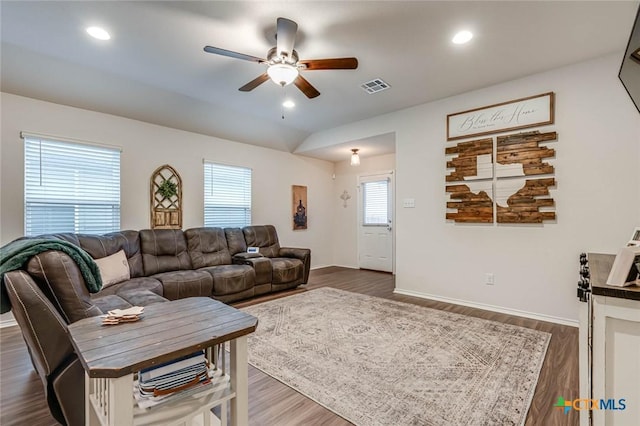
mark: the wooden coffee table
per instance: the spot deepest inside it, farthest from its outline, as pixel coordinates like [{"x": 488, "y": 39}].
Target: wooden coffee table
[{"x": 111, "y": 355}]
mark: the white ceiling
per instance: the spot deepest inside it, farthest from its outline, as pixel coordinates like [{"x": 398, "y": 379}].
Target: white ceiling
[{"x": 154, "y": 68}]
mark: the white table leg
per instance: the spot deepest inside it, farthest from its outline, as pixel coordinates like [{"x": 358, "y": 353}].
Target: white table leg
[
  {"x": 89, "y": 416},
  {"x": 239, "y": 382},
  {"x": 120, "y": 401}
]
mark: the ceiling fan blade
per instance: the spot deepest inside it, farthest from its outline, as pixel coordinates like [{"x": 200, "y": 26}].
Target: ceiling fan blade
[
  {"x": 254, "y": 83},
  {"x": 286, "y": 36},
  {"x": 306, "y": 87},
  {"x": 331, "y": 64},
  {"x": 229, "y": 53}
]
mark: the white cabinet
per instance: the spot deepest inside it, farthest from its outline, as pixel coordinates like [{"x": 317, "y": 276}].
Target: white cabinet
[
  {"x": 616, "y": 360},
  {"x": 609, "y": 350}
]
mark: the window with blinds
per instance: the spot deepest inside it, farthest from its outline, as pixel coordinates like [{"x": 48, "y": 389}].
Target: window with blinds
[
  {"x": 227, "y": 195},
  {"x": 70, "y": 187},
  {"x": 375, "y": 202}
]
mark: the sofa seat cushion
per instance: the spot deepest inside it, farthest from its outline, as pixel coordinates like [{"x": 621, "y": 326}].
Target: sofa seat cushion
[
  {"x": 286, "y": 270},
  {"x": 142, "y": 283},
  {"x": 261, "y": 266},
  {"x": 182, "y": 284},
  {"x": 229, "y": 279},
  {"x": 141, "y": 297},
  {"x": 110, "y": 302}
]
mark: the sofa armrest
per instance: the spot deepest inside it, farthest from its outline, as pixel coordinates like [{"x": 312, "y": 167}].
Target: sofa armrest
[
  {"x": 298, "y": 253},
  {"x": 43, "y": 330},
  {"x": 245, "y": 255},
  {"x": 260, "y": 264}
]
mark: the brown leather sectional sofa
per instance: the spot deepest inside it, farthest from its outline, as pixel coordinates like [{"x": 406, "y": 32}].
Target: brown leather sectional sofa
[{"x": 50, "y": 292}]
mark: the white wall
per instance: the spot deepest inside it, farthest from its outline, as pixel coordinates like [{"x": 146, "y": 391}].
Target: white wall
[
  {"x": 145, "y": 147},
  {"x": 535, "y": 267},
  {"x": 345, "y": 226}
]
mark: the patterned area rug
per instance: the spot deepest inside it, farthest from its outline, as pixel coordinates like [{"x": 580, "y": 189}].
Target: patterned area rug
[{"x": 379, "y": 362}]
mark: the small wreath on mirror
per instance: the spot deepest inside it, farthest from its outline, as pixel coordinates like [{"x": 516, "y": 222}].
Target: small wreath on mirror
[{"x": 168, "y": 189}]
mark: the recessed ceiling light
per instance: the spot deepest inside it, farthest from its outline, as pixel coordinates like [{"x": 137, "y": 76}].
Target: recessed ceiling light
[
  {"x": 288, "y": 104},
  {"x": 462, "y": 37},
  {"x": 99, "y": 33}
]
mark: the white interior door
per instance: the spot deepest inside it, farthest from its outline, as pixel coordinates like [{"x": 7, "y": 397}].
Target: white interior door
[{"x": 375, "y": 222}]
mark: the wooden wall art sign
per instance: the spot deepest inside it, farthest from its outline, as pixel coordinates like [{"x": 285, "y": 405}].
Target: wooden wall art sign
[
  {"x": 471, "y": 166},
  {"x": 515, "y": 185},
  {"x": 503, "y": 117},
  {"x": 166, "y": 198},
  {"x": 299, "y": 206}
]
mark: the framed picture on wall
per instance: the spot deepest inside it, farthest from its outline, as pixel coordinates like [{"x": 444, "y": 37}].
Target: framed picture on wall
[{"x": 299, "y": 206}]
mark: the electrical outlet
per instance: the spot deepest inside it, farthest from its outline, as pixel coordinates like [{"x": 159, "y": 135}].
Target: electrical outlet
[{"x": 489, "y": 278}]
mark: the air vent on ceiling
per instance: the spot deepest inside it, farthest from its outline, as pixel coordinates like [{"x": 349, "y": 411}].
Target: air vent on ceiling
[{"x": 374, "y": 86}]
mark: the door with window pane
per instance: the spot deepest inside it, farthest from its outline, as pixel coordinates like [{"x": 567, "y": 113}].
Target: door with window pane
[{"x": 375, "y": 230}]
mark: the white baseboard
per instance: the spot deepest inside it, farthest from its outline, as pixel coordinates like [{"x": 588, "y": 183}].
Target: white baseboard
[
  {"x": 337, "y": 266},
  {"x": 516, "y": 312},
  {"x": 320, "y": 267}
]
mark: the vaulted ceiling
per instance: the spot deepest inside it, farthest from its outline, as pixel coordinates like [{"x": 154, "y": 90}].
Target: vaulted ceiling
[{"x": 154, "y": 68}]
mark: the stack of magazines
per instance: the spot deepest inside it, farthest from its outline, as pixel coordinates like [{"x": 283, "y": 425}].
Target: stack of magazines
[{"x": 175, "y": 379}]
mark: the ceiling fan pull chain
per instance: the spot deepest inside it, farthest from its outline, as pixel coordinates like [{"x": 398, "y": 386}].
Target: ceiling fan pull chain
[{"x": 284, "y": 98}]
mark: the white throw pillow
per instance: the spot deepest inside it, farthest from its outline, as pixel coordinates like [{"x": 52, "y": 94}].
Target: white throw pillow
[{"x": 113, "y": 269}]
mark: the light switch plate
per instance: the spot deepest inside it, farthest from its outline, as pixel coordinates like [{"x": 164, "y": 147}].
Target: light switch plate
[{"x": 409, "y": 203}]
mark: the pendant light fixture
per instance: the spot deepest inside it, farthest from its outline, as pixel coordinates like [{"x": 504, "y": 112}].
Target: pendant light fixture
[{"x": 355, "y": 158}]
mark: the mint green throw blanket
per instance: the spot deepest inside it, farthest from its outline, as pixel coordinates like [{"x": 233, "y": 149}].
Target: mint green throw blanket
[{"x": 14, "y": 255}]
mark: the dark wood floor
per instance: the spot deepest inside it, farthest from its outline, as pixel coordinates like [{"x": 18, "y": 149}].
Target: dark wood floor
[{"x": 272, "y": 403}]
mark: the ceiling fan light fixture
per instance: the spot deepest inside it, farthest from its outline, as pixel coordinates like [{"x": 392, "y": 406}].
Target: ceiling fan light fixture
[
  {"x": 98, "y": 33},
  {"x": 355, "y": 158},
  {"x": 282, "y": 74},
  {"x": 462, "y": 37}
]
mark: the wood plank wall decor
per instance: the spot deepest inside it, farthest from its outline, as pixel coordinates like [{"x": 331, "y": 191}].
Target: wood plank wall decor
[
  {"x": 521, "y": 154},
  {"x": 527, "y": 198},
  {"x": 472, "y": 205},
  {"x": 166, "y": 198},
  {"x": 472, "y": 163},
  {"x": 474, "y": 160},
  {"x": 477, "y": 185},
  {"x": 524, "y": 200}
]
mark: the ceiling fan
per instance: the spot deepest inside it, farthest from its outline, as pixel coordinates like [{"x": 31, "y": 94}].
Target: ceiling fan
[{"x": 283, "y": 64}]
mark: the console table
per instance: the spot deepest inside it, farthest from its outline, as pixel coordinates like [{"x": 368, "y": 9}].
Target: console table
[{"x": 111, "y": 355}]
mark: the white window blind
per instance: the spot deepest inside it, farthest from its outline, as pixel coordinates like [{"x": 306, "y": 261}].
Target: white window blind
[
  {"x": 376, "y": 202},
  {"x": 70, "y": 187},
  {"x": 227, "y": 195}
]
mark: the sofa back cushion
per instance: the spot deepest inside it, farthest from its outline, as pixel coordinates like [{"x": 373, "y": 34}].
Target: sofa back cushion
[
  {"x": 66, "y": 236},
  {"x": 207, "y": 247},
  {"x": 235, "y": 240},
  {"x": 99, "y": 246},
  {"x": 164, "y": 250},
  {"x": 263, "y": 236}
]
